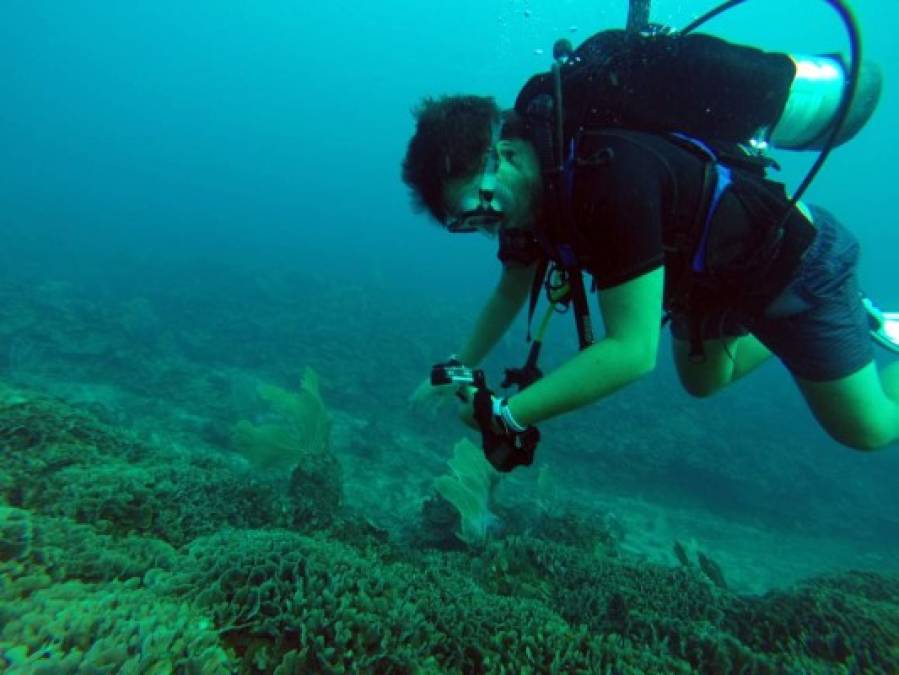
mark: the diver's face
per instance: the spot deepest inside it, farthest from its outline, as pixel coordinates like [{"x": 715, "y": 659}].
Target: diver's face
[{"x": 508, "y": 200}]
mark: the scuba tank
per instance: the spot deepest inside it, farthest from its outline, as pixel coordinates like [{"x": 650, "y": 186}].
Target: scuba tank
[
  {"x": 652, "y": 79},
  {"x": 814, "y": 100},
  {"x": 708, "y": 88}
]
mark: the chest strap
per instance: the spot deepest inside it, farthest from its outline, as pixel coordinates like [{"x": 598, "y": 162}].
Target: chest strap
[{"x": 716, "y": 180}]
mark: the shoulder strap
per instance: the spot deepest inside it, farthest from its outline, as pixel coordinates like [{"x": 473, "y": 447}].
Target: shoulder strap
[
  {"x": 543, "y": 114},
  {"x": 536, "y": 286}
]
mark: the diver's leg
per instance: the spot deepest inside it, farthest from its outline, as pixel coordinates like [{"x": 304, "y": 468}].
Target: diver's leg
[
  {"x": 889, "y": 379},
  {"x": 860, "y": 410},
  {"x": 725, "y": 360},
  {"x": 827, "y": 345}
]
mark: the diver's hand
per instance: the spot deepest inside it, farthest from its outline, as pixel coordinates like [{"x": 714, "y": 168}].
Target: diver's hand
[
  {"x": 506, "y": 443},
  {"x": 467, "y": 412},
  {"x": 466, "y": 407},
  {"x": 429, "y": 398}
]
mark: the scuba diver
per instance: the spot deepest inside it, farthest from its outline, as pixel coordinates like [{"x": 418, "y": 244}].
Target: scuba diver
[{"x": 639, "y": 160}]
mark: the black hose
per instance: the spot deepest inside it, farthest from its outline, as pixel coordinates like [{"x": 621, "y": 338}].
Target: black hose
[{"x": 711, "y": 14}]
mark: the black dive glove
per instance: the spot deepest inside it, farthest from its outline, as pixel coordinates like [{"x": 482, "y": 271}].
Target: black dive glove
[
  {"x": 506, "y": 445},
  {"x": 507, "y": 448}
]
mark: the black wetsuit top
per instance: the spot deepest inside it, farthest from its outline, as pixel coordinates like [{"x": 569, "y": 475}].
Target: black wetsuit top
[{"x": 636, "y": 208}]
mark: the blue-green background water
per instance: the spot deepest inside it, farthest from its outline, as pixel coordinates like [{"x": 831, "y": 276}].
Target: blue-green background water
[
  {"x": 237, "y": 129},
  {"x": 208, "y": 158}
]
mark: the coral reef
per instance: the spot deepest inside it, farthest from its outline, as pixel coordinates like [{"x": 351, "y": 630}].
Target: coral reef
[
  {"x": 296, "y": 426},
  {"x": 469, "y": 489},
  {"x": 98, "y": 584},
  {"x": 113, "y": 627},
  {"x": 849, "y": 619},
  {"x": 60, "y": 461},
  {"x": 323, "y": 606},
  {"x": 295, "y": 437},
  {"x": 161, "y": 549}
]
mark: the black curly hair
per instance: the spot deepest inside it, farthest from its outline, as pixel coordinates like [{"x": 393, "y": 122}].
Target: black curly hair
[{"x": 452, "y": 133}]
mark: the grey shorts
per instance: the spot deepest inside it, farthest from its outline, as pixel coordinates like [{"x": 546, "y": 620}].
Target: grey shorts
[{"x": 817, "y": 326}]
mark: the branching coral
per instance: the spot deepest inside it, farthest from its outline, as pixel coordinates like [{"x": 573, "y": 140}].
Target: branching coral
[
  {"x": 99, "y": 475},
  {"x": 113, "y": 627},
  {"x": 298, "y": 604}
]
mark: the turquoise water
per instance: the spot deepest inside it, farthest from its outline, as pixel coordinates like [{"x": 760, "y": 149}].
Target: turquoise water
[{"x": 215, "y": 301}]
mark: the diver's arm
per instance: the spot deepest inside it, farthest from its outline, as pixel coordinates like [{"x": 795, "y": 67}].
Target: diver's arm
[
  {"x": 502, "y": 307},
  {"x": 630, "y": 312}
]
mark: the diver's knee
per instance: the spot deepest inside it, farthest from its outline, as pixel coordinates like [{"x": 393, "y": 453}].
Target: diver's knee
[
  {"x": 698, "y": 388},
  {"x": 700, "y": 379},
  {"x": 863, "y": 437}
]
